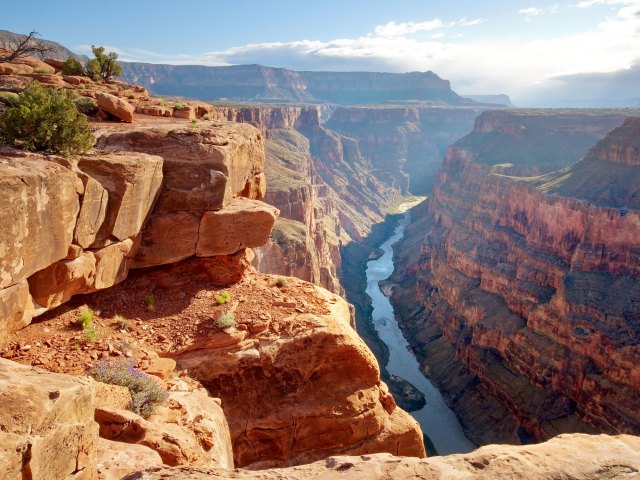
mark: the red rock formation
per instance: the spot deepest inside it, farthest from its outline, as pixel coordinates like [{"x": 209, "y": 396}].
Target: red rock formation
[
  {"x": 299, "y": 388},
  {"x": 566, "y": 456},
  {"x": 535, "y": 294}
]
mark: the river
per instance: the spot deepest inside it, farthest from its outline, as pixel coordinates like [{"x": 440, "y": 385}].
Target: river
[{"x": 437, "y": 420}]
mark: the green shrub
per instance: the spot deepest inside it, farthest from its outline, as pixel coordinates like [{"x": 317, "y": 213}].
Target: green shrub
[
  {"x": 178, "y": 106},
  {"x": 9, "y": 98},
  {"x": 193, "y": 124},
  {"x": 90, "y": 335},
  {"x": 85, "y": 319},
  {"x": 226, "y": 321},
  {"x": 145, "y": 390},
  {"x": 162, "y": 102},
  {"x": 86, "y": 105},
  {"x": 281, "y": 282},
  {"x": 150, "y": 302},
  {"x": 71, "y": 66},
  {"x": 104, "y": 66},
  {"x": 42, "y": 70},
  {"x": 223, "y": 298},
  {"x": 46, "y": 120}
]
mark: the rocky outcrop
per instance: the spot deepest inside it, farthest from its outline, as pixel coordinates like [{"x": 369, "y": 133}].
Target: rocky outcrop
[
  {"x": 46, "y": 424},
  {"x": 282, "y": 381},
  {"x": 521, "y": 304},
  {"x": 566, "y": 456},
  {"x": 204, "y": 170},
  {"x": 62, "y": 236},
  {"x": 79, "y": 226}
]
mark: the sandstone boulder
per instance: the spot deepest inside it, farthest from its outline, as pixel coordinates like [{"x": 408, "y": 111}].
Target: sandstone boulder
[
  {"x": 54, "y": 62},
  {"x": 76, "y": 79},
  {"x": 241, "y": 224},
  {"x": 204, "y": 168},
  {"x": 48, "y": 79},
  {"x": 188, "y": 429},
  {"x": 116, "y": 459},
  {"x": 38, "y": 65},
  {"x": 16, "y": 309},
  {"x": 14, "y": 69},
  {"x": 133, "y": 181},
  {"x": 46, "y": 424},
  {"x": 187, "y": 112},
  {"x": 115, "y": 106},
  {"x": 91, "y": 271}
]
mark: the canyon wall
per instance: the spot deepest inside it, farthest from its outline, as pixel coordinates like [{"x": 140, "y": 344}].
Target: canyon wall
[
  {"x": 268, "y": 85},
  {"x": 519, "y": 294},
  {"x": 406, "y": 144}
]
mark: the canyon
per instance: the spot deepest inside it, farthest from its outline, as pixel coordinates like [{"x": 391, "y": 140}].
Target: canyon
[
  {"x": 518, "y": 293},
  {"x": 515, "y": 284}
]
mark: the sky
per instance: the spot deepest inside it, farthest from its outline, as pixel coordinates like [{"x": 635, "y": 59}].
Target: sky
[{"x": 540, "y": 52}]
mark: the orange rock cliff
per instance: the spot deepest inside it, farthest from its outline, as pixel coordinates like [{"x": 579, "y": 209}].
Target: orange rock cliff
[
  {"x": 518, "y": 293},
  {"x": 166, "y": 210}
]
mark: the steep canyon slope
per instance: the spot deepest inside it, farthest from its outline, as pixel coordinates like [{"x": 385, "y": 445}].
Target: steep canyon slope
[{"x": 518, "y": 294}]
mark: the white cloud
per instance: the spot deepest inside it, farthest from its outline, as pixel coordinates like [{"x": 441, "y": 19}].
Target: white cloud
[
  {"x": 531, "y": 11},
  {"x": 590, "y": 3},
  {"x": 463, "y": 22},
  {"x": 393, "y": 29}
]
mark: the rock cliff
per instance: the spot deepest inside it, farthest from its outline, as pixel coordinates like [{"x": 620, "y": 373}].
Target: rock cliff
[
  {"x": 268, "y": 84},
  {"x": 405, "y": 143},
  {"x": 518, "y": 294}
]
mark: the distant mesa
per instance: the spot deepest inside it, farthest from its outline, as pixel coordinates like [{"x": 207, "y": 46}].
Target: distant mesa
[{"x": 500, "y": 99}]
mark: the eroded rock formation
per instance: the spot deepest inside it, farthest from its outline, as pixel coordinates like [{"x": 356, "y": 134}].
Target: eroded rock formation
[
  {"x": 566, "y": 456},
  {"x": 521, "y": 301}
]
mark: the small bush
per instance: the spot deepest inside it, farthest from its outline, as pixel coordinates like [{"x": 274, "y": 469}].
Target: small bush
[
  {"x": 223, "y": 298},
  {"x": 85, "y": 319},
  {"x": 193, "y": 124},
  {"x": 71, "y": 66},
  {"x": 90, "y": 335},
  {"x": 9, "y": 98},
  {"x": 150, "y": 302},
  {"x": 131, "y": 96},
  {"x": 145, "y": 390},
  {"x": 281, "y": 282},
  {"x": 207, "y": 116},
  {"x": 162, "y": 102},
  {"x": 121, "y": 322},
  {"x": 178, "y": 106},
  {"x": 85, "y": 105},
  {"x": 41, "y": 70},
  {"x": 226, "y": 321},
  {"x": 46, "y": 120}
]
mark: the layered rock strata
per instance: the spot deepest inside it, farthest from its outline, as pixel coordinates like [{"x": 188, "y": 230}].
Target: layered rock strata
[
  {"x": 524, "y": 293},
  {"x": 78, "y": 226}
]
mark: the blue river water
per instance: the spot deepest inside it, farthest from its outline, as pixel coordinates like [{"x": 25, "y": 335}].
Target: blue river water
[{"x": 437, "y": 420}]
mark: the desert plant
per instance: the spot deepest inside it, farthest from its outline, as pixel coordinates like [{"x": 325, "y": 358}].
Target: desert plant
[
  {"x": 90, "y": 335},
  {"x": 178, "y": 106},
  {"x": 145, "y": 390},
  {"x": 41, "y": 70},
  {"x": 150, "y": 302},
  {"x": 9, "y": 98},
  {"x": 225, "y": 321},
  {"x": 281, "y": 282},
  {"x": 223, "y": 298},
  {"x": 47, "y": 120},
  {"x": 121, "y": 322},
  {"x": 104, "y": 66},
  {"x": 71, "y": 66},
  {"x": 162, "y": 102},
  {"x": 85, "y": 319},
  {"x": 193, "y": 124},
  {"x": 85, "y": 105}
]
